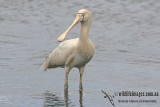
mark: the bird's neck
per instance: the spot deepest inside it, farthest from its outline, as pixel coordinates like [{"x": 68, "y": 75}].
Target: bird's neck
[
  {"x": 84, "y": 30},
  {"x": 85, "y": 47}
]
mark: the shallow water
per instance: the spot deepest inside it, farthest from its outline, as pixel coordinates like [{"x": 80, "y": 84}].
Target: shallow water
[{"x": 127, "y": 39}]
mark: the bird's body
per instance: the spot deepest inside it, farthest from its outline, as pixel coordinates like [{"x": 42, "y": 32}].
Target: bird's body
[
  {"x": 74, "y": 52},
  {"x": 69, "y": 53},
  {"x": 59, "y": 56}
]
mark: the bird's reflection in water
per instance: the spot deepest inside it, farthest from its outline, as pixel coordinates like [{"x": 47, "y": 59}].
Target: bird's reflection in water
[
  {"x": 66, "y": 98},
  {"x": 81, "y": 98},
  {"x": 67, "y": 103},
  {"x": 52, "y": 100}
]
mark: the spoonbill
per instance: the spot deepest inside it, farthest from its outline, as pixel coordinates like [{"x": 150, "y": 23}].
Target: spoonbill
[{"x": 75, "y": 52}]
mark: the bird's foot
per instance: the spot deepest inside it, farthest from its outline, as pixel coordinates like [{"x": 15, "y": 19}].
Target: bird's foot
[
  {"x": 80, "y": 88},
  {"x": 65, "y": 87}
]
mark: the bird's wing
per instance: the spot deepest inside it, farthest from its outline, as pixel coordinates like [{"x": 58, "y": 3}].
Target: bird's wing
[{"x": 59, "y": 56}]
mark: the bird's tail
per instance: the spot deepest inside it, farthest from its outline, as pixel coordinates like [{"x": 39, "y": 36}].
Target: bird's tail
[{"x": 45, "y": 65}]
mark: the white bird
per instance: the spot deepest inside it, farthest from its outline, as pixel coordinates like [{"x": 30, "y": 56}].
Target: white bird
[{"x": 74, "y": 52}]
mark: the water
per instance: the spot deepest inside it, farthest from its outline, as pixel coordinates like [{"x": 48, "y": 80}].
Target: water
[{"x": 127, "y": 39}]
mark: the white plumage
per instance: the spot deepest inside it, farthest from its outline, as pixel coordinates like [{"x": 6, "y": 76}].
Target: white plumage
[{"x": 74, "y": 52}]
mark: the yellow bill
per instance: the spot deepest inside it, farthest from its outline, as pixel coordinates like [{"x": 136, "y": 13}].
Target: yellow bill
[{"x": 63, "y": 36}]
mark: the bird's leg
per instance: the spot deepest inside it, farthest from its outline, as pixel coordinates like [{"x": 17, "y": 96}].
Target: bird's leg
[
  {"x": 81, "y": 70},
  {"x": 67, "y": 69}
]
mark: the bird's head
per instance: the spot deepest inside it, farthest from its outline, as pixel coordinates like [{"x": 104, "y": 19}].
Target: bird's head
[{"x": 82, "y": 16}]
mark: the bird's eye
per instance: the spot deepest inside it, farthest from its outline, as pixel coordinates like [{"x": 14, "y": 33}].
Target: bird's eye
[{"x": 82, "y": 14}]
